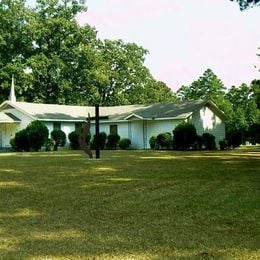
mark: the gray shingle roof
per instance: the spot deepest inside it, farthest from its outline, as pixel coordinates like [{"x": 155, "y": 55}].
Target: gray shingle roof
[{"x": 50, "y": 112}]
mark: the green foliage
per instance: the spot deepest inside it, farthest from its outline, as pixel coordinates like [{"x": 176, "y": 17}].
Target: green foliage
[
  {"x": 14, "y": 45},
  {"x": 74, "y": 140},
  {"x": 164, "y": 140},
  {"x": 208, "y": 141},
  {"x": 112, "y": 141},
  {"x": 33, "y": 137},
  {"x": 255, "y": 85},
  {"x": 253, "y": 133},
  {"x": 235, "y": 138},
  {"x": 21, "y": 141},
  {"x": 223, "y": 144},
  {"x": 50, "y": 145},
  {"x": 124, "y": 143},
  {"x": 59, "y": 138},
  {"x": 208, "y": 86},
  {"x": 184, "y": 136},
  {"x": 37, "y": 135},
  {"x": 153, "y": 142},
  {"x": 66, "y": 63},
  {"x": 102, "y": 141}
]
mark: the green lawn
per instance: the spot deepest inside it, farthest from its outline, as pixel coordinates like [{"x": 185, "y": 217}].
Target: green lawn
[{"x": 130, "y": 205}]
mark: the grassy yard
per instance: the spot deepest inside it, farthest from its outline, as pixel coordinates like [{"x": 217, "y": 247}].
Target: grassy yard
[{"x": 130, "y": 205}]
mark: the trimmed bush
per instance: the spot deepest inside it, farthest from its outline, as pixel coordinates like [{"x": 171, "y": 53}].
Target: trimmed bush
[
  {"x": 199, "y": 142},
  {"x": 59, "y": 138},
  {"x": 20, "y": 142},
  {"x": 112, "y": 141},
  {"x": 74, "y": 140},
  {"x": 124, "y": 143},
  {"x": 102, "y": 141},
  {"x": 208, "y": 141},
  {"x": 223, "y": 144},
  {"x": 184, "y": 136},
  {"x": 38, "y": 134},
  {"x": 153, "y": 142},
  {"x": 49, "y": 146},
  {"x": 164, "y": 140}
]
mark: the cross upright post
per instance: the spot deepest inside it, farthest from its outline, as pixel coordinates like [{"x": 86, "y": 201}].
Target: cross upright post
[{"x": 97, "y": 131}]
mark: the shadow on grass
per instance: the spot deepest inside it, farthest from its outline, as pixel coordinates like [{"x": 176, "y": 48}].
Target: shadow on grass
[{"x": 138, "y": 205}]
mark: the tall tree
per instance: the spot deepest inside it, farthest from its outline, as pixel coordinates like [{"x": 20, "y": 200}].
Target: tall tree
[
  {"x": 208, "y": 86},
  {"x": 58, "y": 61},
  {"x": 255, "y": 86},
  {"x": 124, "y": 78},
  {"x": 14, "y": 43},
  {"x": 59, "y": 44}
]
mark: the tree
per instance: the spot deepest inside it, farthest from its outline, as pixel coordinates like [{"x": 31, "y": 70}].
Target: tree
[
  {"x": 244, "y": 4},
  {"x": 14, "y": 44},
  {"x": 208, "y": 86},
  {"x": 243, "y": 103},
  {"x": 59, "y": 46},
  {"x": 55, "y": 60},
  {"x": 125, "y": 78},
  {"x": 255, "y": 86}
]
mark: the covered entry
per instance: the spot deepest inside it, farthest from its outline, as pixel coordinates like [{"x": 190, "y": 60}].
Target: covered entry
[{"x": 8, "y": 126}]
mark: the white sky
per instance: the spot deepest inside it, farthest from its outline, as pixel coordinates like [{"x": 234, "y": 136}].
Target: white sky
[{"x": 184, "y": 38}]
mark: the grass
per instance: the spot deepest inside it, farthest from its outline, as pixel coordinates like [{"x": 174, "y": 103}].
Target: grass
[{"x": 130, "y": 205}]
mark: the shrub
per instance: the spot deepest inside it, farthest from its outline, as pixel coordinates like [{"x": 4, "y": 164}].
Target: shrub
[
  {"x": 153, "y": 142},
  {"x": 102, "y": 141},
  {"x": 49, "y": 146},
  {"x": 223, "y": 144},
  {"x": 164, "y": 140},
  {"x": 59, "y": 138},
  {"x": 112, "y": 140},
  {"x": 254, "y": 133},
  {"x": 124, "y": 143},
  {"x": 12, "y": 143},
  {"x": 74, "y": 140},
  {"x": 208, "y": 140},
  {"x": 37, "y": 135},
  {"x": 184, "y": 136},
  {"x": 199, "y": 142},
  {"x": 235, "y": 138},
  {"x": 20, "y": 141},
  {"x": 33, "y": 137}
]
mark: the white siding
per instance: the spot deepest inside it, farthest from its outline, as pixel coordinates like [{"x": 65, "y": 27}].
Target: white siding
[
  {"x": 137, "y": 138},
  {"x": 156, "y": 127},
  {"x": 8, "y": 130},
  {"x": 206, "y": 121},
  {"x": 67, "y": 127},
  {"x": 7, "y": 133},
  {"x": 25, "y": 120}
]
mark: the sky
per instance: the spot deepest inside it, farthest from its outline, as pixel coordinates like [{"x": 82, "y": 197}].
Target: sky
[{"x": 184, "y": 38}]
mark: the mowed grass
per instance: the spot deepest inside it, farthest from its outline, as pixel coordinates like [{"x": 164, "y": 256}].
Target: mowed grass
[{"x": 130, "y": 205}]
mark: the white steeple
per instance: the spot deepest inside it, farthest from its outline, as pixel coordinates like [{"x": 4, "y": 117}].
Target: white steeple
[{"x": 12, "y": 96}]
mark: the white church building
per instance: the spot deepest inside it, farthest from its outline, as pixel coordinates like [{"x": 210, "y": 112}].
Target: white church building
[{"x": 136, "y": 122}]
